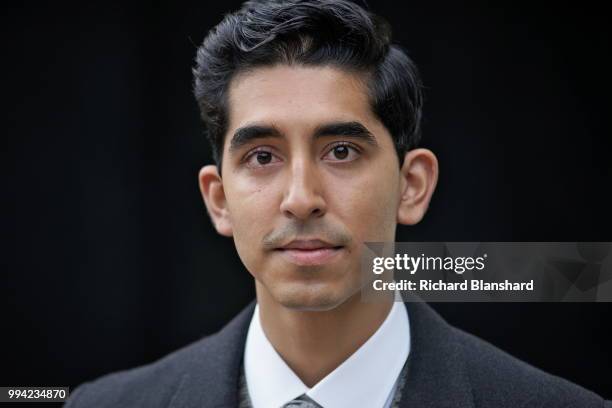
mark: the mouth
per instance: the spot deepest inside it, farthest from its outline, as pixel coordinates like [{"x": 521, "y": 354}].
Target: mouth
[{"x": 309, "y": 252}]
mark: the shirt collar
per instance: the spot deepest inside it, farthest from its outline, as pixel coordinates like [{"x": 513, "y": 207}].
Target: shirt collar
[{"x": 365, "y": 379}]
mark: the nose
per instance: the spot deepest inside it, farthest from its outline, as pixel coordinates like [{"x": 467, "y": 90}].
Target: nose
[{"x": 303, "y": 197}]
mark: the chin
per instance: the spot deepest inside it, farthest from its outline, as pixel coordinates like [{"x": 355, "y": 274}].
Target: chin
[{"x": 310, "y": 297}]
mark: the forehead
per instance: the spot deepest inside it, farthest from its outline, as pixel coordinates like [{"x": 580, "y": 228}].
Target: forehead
[{"x": 299, "y": 96}]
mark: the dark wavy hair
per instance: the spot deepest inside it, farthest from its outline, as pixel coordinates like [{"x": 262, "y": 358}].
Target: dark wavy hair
[{"x": 335, "y": 33}]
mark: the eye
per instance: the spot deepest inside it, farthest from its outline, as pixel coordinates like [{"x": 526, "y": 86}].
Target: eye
[
  {"x": 260, "y": 157},
  {"x": 342, "y": 152}
]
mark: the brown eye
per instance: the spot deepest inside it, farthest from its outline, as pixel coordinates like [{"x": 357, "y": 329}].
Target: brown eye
[
  {"x": 264, "y": 157},
  {"x": 341, "y": 152},
  {"x": 260, "y": 159}
]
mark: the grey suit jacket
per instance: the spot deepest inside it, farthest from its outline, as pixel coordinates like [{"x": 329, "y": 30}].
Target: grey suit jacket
[{"x": 446, "y": 368}]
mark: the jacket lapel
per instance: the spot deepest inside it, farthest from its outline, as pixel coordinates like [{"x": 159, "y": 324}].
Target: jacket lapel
[
  {"x": 211, "y": 376},
  {"x": 436, "y": 374}
]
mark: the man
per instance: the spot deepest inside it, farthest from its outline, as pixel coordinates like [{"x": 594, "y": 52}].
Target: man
[{"x": 314, "y": 121}]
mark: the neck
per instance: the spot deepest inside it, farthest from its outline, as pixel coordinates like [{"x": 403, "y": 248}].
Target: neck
[{"x": 314, "y": 343}]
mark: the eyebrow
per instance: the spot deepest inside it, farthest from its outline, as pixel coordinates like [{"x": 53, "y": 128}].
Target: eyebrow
[{"x": 353, "y": 129}]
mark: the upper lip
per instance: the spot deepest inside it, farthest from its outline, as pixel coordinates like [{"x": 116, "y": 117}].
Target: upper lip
[{"x": 307, "y": 244}]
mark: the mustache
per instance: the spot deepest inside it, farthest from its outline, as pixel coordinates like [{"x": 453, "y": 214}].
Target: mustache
[{"x": 333, "y": 234}]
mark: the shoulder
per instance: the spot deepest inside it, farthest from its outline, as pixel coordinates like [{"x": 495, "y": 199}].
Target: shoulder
[
  {"x": 499, "y": 379},
  {"x": 149, "y": 385},
  {"x": 204, "y": 372}
]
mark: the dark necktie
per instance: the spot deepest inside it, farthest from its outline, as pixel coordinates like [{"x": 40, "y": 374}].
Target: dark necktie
[{"x": 303, "y": 401}]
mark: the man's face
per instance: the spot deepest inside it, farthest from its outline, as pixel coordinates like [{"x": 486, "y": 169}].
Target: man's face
[{"x": 309, "y": 174}]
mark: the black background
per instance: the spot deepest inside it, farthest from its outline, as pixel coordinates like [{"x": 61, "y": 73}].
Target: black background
[{"x": 109, "y": 260}]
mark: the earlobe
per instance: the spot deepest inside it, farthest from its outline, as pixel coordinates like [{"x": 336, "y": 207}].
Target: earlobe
[
  {"x": 213, "y": 194},
  {"x": 419, "y": 178}
]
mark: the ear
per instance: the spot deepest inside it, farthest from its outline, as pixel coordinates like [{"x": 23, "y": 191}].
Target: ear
[
  {"x": 419, "y": 176},
  {"x": 213, "y": 194}
]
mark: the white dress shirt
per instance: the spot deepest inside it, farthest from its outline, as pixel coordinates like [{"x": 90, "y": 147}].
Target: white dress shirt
[{"x": 366, "y": 379}]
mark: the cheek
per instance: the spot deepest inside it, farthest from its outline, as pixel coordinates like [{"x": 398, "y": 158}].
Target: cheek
[
  {"x": 368, "y": 206},
  {"x": 251, "y": 207},
  {"x": 248, "y": 200}
]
